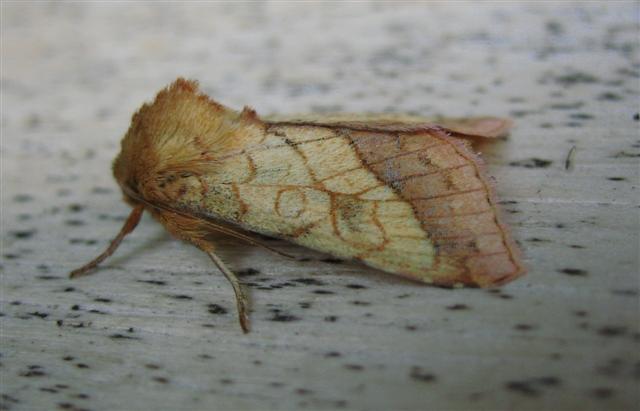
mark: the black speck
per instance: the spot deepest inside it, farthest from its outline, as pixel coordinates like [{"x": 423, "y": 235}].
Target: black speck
[
  {"x": 23, "y": 234},
  {"x": 581, "y": 116},
  {"x": 75, "y": 307},
  {"x": 33, "y": 372},
  {"x": 216, "y": 309},
  {"x": 8, "y": 398},
  {"x": 68, "y": 358},
  {"x": 636, "y": 117},
  {"x": 161, "y": 380},
  {"x": 524, "y": 327},
  {"x": 609, "y": 96},
  {"x": 602, "y": 393},
  {"x": 332, "y": 260},
  {"x": 84, "y": 241},
  {"x": 73, "y": 222},
  {"x": 75, "y": 207},
  {"x": 48, "y": 277},
  {"x": 356, "y": 286},
  {"x": 612, "y": 331},
  {"x": 520, "y": 113},
  {"x": 308, "y": 281},
  {"x": 82, "y": 365},
  {"x": 305, "y": 304},
  {"x": 625, "y": 293},
  {"x": 39, "y": 314},
  {"x": 182, "y": 297},
  {"x": 119, "y": 336},
  {"x": 567, "y": 106},
  {"x": 576, "y": 77},
  {"x": 153, "y": 282},
  {"x": 331, "y": 318},
  {"x": 522, "y": 387},
  {"x": 538, "y": 240},
  {"x": 323, "y": 292},
  {"x": 102, "y": 300},
  {"x": 332, "y": 354},
  {"x": 418, "y": 374},
  {"x": 354, "y": 367},
  {"x": 531, "y": 163},
  {"x": 248, "y": 272},
  {"x": 554, "y": 27},
  {"x": 549, "y": 381},
  {"x": 358, "y": 302},
  {"x": 616, "y": 179},
  {"x": 283, "y": 317},
  {"x": 458, "y": 307},
  {"x": 575, "y": 272},
  {"x": 94, "y": 311}
]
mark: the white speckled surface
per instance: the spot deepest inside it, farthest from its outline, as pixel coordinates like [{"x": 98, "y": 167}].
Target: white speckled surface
[{"x": 142, "y": 332}]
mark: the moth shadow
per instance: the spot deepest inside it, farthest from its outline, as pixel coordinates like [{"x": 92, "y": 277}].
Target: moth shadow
[
  {"x": 357, "y": 270},
  {"x": 347, "y": 270},
  {"x": 139, "y": 250}
]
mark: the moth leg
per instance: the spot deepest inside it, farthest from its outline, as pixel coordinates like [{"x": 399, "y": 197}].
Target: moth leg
[
  {"x": 129, "y": 226},
  {"x": 242, "y": 302}
]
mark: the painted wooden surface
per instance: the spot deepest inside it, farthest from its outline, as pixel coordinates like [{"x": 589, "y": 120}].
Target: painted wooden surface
[{"x": 155, "y": 327}]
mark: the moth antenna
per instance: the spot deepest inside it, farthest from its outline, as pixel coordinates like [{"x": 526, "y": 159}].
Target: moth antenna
[
  {"x": 242, "y": 302},
  {"x": 129, "y": 226}
]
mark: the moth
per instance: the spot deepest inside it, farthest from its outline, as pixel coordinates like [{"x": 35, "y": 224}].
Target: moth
[{"x": 402, "y": 194}]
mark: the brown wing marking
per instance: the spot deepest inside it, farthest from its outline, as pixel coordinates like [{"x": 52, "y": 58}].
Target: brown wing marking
[{"x": 451, "y": 197}]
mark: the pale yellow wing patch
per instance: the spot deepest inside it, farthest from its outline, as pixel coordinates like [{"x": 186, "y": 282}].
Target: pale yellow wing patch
[{"x": 317, "y": 193}]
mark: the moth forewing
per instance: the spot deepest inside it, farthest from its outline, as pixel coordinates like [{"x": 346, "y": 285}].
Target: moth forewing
[{"x": 407, "y": 197}]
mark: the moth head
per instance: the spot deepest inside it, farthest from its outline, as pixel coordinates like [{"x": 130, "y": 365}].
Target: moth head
[{"x": 181, "y": 131}]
